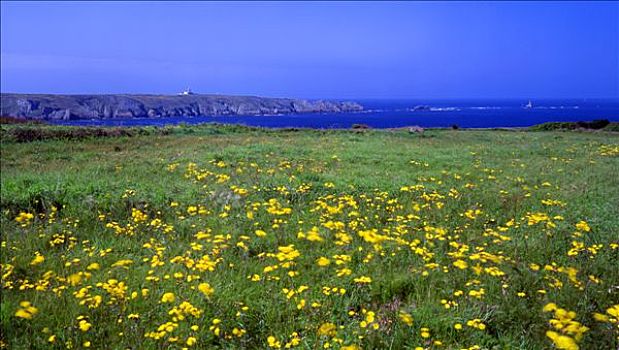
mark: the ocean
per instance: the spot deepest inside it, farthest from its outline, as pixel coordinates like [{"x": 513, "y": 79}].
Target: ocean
[{"x": 401, "y": 113}]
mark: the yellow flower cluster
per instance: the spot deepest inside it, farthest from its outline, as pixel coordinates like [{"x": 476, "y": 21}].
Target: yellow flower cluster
[
  {"x": 567, "y": 331},
  {"x": 611, "y": 316},
  {"x": 26, "y": 310}
]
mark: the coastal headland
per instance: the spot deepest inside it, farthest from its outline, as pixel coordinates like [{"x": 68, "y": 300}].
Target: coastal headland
[{"x": 71, "y": 107}]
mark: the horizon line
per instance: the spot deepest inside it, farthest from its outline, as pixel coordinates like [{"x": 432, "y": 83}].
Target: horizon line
[{"x": 321, "y": 98}]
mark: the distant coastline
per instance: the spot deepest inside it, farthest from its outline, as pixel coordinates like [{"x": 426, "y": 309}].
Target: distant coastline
[
  {"x": 386, "y": 114},
  {"x": 80, "y": 107}
]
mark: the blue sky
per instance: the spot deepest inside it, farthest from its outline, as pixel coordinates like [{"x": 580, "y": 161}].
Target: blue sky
[{"x": 314, "y": 49}]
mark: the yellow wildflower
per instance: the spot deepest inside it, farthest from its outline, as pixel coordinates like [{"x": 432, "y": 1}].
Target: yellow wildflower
[
  {"x": 583, "y": 226},
  {"x": 406, "y": 318},
  {"x": 38, "y": 258},
  {"x": 26, "y": 310},
  {"x": 206, "y": 289},
  {"x": 328, "y": 329},
  {"x": 168, "y": 298},
  {"x": 322, "y": 261}
]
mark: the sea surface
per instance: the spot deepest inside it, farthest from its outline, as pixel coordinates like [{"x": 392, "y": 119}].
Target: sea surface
[{"x": 401, "y": 113}]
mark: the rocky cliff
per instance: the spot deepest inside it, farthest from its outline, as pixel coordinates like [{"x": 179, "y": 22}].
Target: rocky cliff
[{"x": 67, "y": 107}]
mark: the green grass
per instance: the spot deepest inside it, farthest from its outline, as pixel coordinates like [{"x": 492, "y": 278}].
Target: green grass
[
  {"x": 418, "y": 193},
  {"x": 600, "y": 124}
]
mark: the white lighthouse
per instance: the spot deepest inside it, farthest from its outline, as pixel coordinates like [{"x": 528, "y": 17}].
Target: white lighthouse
[{"x": 186, "y": 92}]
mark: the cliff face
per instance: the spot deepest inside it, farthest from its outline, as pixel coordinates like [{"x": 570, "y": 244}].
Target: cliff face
[{"x": 66, "y": 107}]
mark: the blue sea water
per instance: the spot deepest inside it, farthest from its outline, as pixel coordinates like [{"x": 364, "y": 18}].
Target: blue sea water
[{"x": 400, "y": 113}]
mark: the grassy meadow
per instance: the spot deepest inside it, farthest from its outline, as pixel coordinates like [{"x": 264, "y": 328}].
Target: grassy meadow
[{"x": 221, "y": 237}]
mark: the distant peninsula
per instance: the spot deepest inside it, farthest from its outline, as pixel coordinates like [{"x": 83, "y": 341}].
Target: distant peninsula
[{"x": 73, "y": 107}]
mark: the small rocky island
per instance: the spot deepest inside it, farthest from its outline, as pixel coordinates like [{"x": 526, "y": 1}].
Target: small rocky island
[{"x": 71, "y": 107}]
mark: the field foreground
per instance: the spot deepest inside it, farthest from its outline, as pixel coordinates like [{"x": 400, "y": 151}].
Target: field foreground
[{"x": 224, "y": 237}]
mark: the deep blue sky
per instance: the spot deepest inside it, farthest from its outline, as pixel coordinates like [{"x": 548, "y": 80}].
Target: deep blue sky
[{"x": 314, "y": 49}]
